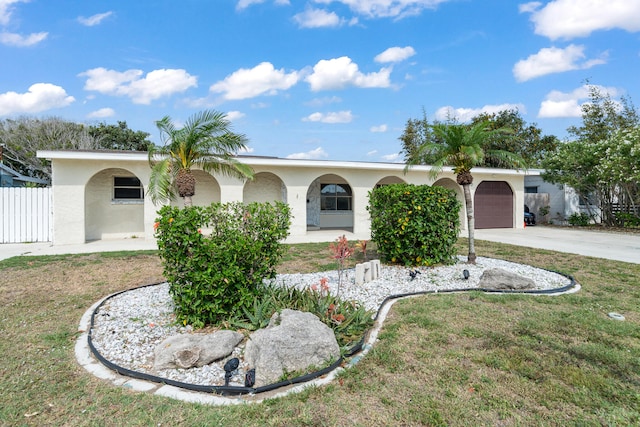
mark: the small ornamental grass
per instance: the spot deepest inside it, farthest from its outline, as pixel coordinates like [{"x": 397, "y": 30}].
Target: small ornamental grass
[
  {"x": 349, "y": 320},
  {"x": 216, "y": 257}
]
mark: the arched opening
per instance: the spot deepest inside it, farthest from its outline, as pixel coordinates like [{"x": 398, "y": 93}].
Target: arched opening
[
  {"x": 493, "y": 205},
  {"x": 450, "y": 184},
  {"x": 330, "y": 204},
  {"x": 265, "y": 187},
  {"x": 390, "y": 180},
  {"x": 207, "y": 190},
  {"x": 114, "y": 205}
]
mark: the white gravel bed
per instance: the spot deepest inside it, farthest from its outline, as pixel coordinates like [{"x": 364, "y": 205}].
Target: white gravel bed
[{"x": 128, "y": 326}]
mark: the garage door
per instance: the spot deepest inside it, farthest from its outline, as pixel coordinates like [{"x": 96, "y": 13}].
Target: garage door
[{"x": 493, "y": 205}]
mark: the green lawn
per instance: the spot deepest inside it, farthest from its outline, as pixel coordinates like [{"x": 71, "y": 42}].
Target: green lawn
[{"x": 456, "y": 359}]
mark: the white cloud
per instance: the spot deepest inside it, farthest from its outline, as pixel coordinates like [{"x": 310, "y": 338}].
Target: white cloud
[
  {"x": 394, "y": 157},
  {"x": 263, "y": 79},
  {"x": 317, "y": 18},
  {"x": 40, "y": 97},
  {"x": 6, "y": 10},
  {"x": 579, "y": 18},
  {"x": 332, "y": 117},
  {"x": 387, "y": 8},
  {"x": 142, "y": 90},
  {"x": 235, "y": 115},
  {"x": 338, "y": 73},
  {"x": 13, "y": 39},
  {"x": 243, "y": 4},
  {"x": 94, "y": 19},
  {"x": 529, "y": 7},
  {"x": 319, "y": 102},
  {"x": 318, "y": 153},
  {"x": 466, "y": 114},
  {"x": 554, "y": 60},
  {"x": 379, "y": 129},
  {"x": 101, "y": 113},
  {"x": 246, "y": 150},
  {"x": 395, "y": 54},
  {"x": 561, "y": 104},
  {"x": 372, "y": 153}
]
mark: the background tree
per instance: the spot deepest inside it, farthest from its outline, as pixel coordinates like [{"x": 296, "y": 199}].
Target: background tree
[
  {"x": 206, "y": 142},
  {"x": 24, "y": 136},
  {"x": 600, "y": 163},
  {"x": 463, "y": 147},
  {"x": 119, "y": 137},
  {"x": 525, "y": 140},
  {"x": 417, "y": 132}
]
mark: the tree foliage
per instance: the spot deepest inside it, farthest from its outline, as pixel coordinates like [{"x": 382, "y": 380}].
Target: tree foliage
[
  {"x": 206, "y": 141},
  {"x": 602, "y": 163},
  {"x": 464, "y": 147},
  {"x": 525, "y": 140},
  {"x": 25, "y": 136},
  {"x": 119, "y": 137}
]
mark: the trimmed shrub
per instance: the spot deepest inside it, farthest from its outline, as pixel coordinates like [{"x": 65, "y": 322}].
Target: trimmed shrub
[
  {"x": 579, "y": 219},
  {"x": 414, "y": 224},
  {"x": 216, "y": 257}
]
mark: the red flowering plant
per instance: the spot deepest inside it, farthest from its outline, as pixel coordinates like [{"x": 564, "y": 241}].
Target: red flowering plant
[
  {"x": 348, "y": 319},
  {"x": 341, "y": 251}
]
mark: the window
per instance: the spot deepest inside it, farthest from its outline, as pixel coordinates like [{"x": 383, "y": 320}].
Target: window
[
  {"x": 530, "y": 190},
  {"x": 127, "y": 188},
  {"x": 335, "y": 197}
]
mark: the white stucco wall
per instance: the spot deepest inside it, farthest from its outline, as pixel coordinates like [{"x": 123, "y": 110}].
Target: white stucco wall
[{"x": 277, "y": 179}]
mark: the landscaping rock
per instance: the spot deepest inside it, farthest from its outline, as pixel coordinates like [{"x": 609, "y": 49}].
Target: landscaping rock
[
  {"x": 497, "y": 278},
  {"x": 292, "y": 342},
  {"x": 189, "y": 350}
]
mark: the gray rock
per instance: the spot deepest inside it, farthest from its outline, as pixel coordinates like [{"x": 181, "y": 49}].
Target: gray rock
[
  {"x": 497, "y": 278},
  {"x": 189, "y": 350},
  {"x": 293, "y": 341}
]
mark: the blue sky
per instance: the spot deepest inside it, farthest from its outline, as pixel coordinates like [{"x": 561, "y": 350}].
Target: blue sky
[{"x": 317, "y": 79}]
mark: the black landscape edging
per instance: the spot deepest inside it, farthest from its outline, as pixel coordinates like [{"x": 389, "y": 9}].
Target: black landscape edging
[{"x": 238, "y": 391}]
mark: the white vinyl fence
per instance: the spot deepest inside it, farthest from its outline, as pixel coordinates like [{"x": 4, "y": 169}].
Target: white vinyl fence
[{"x": 25, "y": 215}]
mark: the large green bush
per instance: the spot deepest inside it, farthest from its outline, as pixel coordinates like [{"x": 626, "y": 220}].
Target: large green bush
[
  {"x": 414, "y": 224},
  {"x": 216, "y": 257}
]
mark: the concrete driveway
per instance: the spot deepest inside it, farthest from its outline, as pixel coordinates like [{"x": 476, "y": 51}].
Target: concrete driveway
[{"x": 615, "y": 246}]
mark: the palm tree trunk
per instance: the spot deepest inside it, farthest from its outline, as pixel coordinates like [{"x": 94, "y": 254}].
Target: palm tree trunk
[{"x": 471, "y": 258}]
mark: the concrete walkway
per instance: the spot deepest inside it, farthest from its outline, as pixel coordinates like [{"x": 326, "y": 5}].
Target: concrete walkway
[{"x": 615, "y": 246}]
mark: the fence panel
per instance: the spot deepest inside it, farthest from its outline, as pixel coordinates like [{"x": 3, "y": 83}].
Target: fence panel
[{"x": 25, "y": 215}]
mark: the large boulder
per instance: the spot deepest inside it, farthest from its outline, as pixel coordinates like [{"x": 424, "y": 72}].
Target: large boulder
[
  {"x": 499, "y": 279},
  {"x": 293, "y": 341},
  {"x": 189, "y": 350}
]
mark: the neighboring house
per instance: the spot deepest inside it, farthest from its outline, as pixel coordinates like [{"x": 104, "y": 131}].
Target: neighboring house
[
  {"x": 562, "y": 200},
  {"x": 11, "y": 178},
  {"x": 101, "y": 194}
]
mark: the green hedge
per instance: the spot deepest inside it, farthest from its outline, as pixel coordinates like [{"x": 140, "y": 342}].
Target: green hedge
[
  {"x": 414, "y": 224},
  {"x": 216, "y": 257}
]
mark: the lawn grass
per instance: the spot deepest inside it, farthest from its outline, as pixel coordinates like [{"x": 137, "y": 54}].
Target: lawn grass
[{"x": 455, "y": 359}]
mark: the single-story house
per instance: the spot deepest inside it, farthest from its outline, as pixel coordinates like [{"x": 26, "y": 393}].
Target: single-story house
[
  {"x": 102, "y": 194},
  {"x": 561, "y": 199}
]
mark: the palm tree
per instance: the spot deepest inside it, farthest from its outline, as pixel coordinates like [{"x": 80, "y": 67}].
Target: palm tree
[
  {"x": 206, "y": 142},
  {"x": 463, "y": 147}
]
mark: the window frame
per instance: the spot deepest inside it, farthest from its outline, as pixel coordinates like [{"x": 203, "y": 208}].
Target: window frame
[
  {"x": 335, "y": 201},
  {"x": 135, "y": 184}
]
